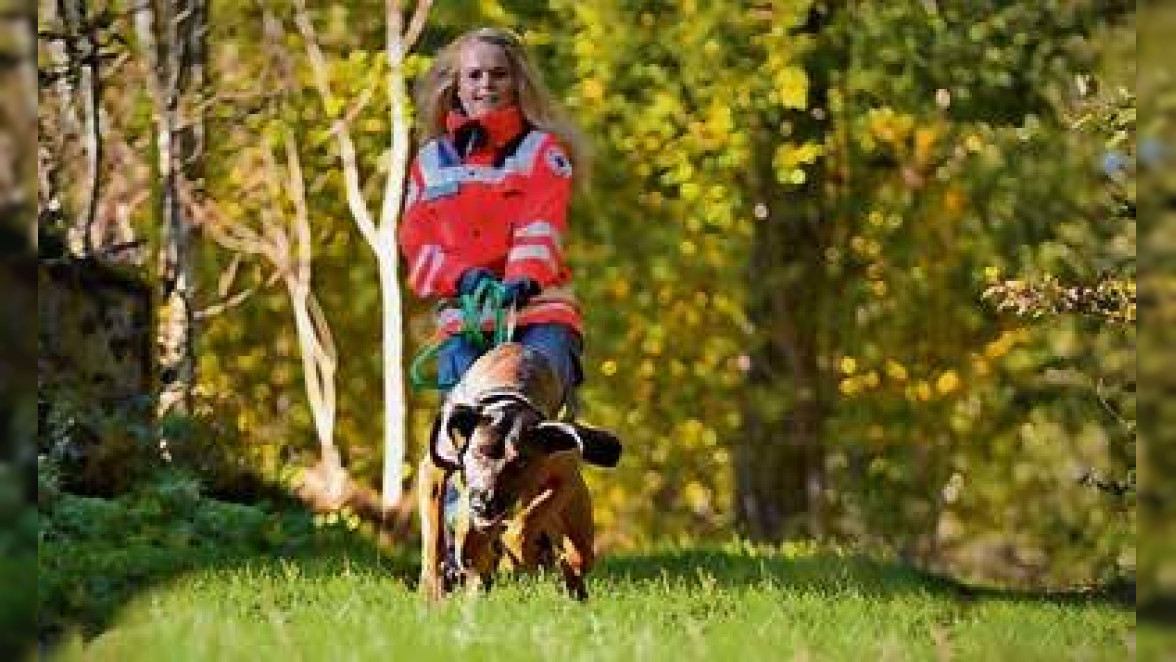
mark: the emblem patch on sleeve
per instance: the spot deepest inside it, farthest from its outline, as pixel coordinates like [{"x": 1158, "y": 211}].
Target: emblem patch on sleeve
[{"x": 558, "y": 162}]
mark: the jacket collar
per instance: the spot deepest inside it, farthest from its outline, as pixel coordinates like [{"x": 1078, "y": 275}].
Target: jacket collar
[{"x": 499, "y": 126}]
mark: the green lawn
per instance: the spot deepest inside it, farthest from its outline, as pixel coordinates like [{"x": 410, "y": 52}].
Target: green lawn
[{"x": 714, "y": 604}]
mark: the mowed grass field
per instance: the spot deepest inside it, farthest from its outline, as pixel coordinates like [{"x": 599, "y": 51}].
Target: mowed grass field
[{"x": 730, "y": 603}]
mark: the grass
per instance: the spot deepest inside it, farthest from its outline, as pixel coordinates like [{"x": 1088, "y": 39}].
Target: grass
[{"x": 729, "y": 603}]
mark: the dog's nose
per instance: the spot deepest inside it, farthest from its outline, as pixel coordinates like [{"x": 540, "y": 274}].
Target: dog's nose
[{"x": 481, "y": 502}]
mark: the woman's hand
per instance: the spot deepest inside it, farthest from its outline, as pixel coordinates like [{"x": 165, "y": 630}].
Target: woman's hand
[
  {"x": 519, "y": 291},
  {"x": 471, "y": 279}
]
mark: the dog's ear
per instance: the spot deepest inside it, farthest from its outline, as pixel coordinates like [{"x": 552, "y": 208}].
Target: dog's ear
[
  {"x": 456, "y": 422},
  {"x": 597, "y": 446}
]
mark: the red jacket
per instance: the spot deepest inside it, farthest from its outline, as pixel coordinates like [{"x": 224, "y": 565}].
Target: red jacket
[{"x": 509, "y": 217}]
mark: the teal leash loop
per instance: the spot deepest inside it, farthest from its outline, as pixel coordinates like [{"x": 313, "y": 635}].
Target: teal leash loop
[
  {"x": 487, "y": 300},
  {"x": 415, "y": 370}
]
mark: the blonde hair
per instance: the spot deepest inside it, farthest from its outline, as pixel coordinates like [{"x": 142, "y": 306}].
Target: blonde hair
[{"x": 436, "y": 94}]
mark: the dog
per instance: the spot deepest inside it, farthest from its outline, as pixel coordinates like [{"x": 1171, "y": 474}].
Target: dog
[{"x": 497, "y": 429}]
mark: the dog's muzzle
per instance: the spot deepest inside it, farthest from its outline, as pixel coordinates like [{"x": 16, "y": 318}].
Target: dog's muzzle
[{"x": 486, "y": 508}]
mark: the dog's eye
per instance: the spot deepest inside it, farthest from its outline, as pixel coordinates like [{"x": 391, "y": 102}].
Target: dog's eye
[{"x": 500, "y": 421}]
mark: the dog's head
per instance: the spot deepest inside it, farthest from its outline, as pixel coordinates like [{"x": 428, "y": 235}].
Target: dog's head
[{"x": 493, "y": 440}]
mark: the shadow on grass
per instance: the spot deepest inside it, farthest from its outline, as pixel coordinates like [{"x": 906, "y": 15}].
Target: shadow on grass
[
  {"x": 104, "y": 580},
  {"x": 834, "y": 574}
]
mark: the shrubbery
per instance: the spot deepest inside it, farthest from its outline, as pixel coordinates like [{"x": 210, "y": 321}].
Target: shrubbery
[{"x": 96, "y": 552}]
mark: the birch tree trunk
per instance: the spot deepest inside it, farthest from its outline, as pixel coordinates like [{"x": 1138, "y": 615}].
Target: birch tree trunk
[
  {"x": 381, "y": 238},
  {"x": 59, "y": 113},
  {"x": 171, "y": 40},
  {"x": 81, "y": 47}
]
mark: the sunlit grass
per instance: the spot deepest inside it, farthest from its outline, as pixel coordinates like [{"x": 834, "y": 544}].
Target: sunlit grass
[{"x": 687, "y": 605}]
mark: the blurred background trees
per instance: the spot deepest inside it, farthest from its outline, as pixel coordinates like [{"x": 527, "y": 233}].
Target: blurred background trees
[{"x": 796, "y": 211}]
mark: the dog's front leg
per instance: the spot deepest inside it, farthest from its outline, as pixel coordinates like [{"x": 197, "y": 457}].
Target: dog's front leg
[
  {"x": 431, "y": 481},
  {"x": 567, "y": 509},
  {"x": 480, "y": 553}
]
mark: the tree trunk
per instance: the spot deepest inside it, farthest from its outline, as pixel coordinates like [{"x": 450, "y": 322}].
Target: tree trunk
[
  {"x": 779, "y": 460},
  {"x": 59, "y": 116},
  {"x": 81, "y": 46},
  {"x": 395, "y": 407},
  {"x": 18, "y": 176},
  {"x": 382, "y": 237},
  {"x": 174, "y": 45}
]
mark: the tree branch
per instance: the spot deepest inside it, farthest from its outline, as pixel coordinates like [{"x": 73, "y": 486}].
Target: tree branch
[
  {"x": 230, "y": 302},
  {"x": 417, "y": 24},
  {"x": 350, "y": 164}
]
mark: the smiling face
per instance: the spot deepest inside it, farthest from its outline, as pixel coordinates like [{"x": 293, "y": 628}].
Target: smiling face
[{"x": 485, "y": 78}]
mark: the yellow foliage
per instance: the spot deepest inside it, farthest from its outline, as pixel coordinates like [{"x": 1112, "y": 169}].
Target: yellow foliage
[
  {"x": 980, "y": 367},
  {"x": 584, "y": 48},
  {"x": 922, "y": 391},
  {"x": 592, "y": 89},
  {"x": 792, "y": 87},
  {"x": 789, "y": 158},
  {"x": 537, "y": 38},
  {"x": 697, "y": 496},
  {"x": 889, "y": 126},
  {"x": 647, "y": 369},
  {"x": 896, "y": 371},
  {"x": 954, "y": 201},
  {"x": 719, "y": 119},
  {"x": 848, "y": 365},
  {"x": 1001, "y": 346},
  {"x": 947, "y": 383},
  {"x": 925, "y": 139},
  {"x": 848, "y": 386}
]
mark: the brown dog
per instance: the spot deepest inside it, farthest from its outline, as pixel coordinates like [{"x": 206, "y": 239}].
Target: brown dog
[{"x": 496, "y": 430}]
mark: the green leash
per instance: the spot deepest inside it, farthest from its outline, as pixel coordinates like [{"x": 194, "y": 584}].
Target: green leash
[{"x": 488, "y": 299}]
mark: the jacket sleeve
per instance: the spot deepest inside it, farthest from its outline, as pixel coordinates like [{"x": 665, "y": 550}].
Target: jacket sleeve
[
  {"x": 432, "y": 270},
  {"x": 536, "y": 242}
]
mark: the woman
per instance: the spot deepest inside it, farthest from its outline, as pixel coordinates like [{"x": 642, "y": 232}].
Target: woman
[{"x": 488, "y": 196}]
